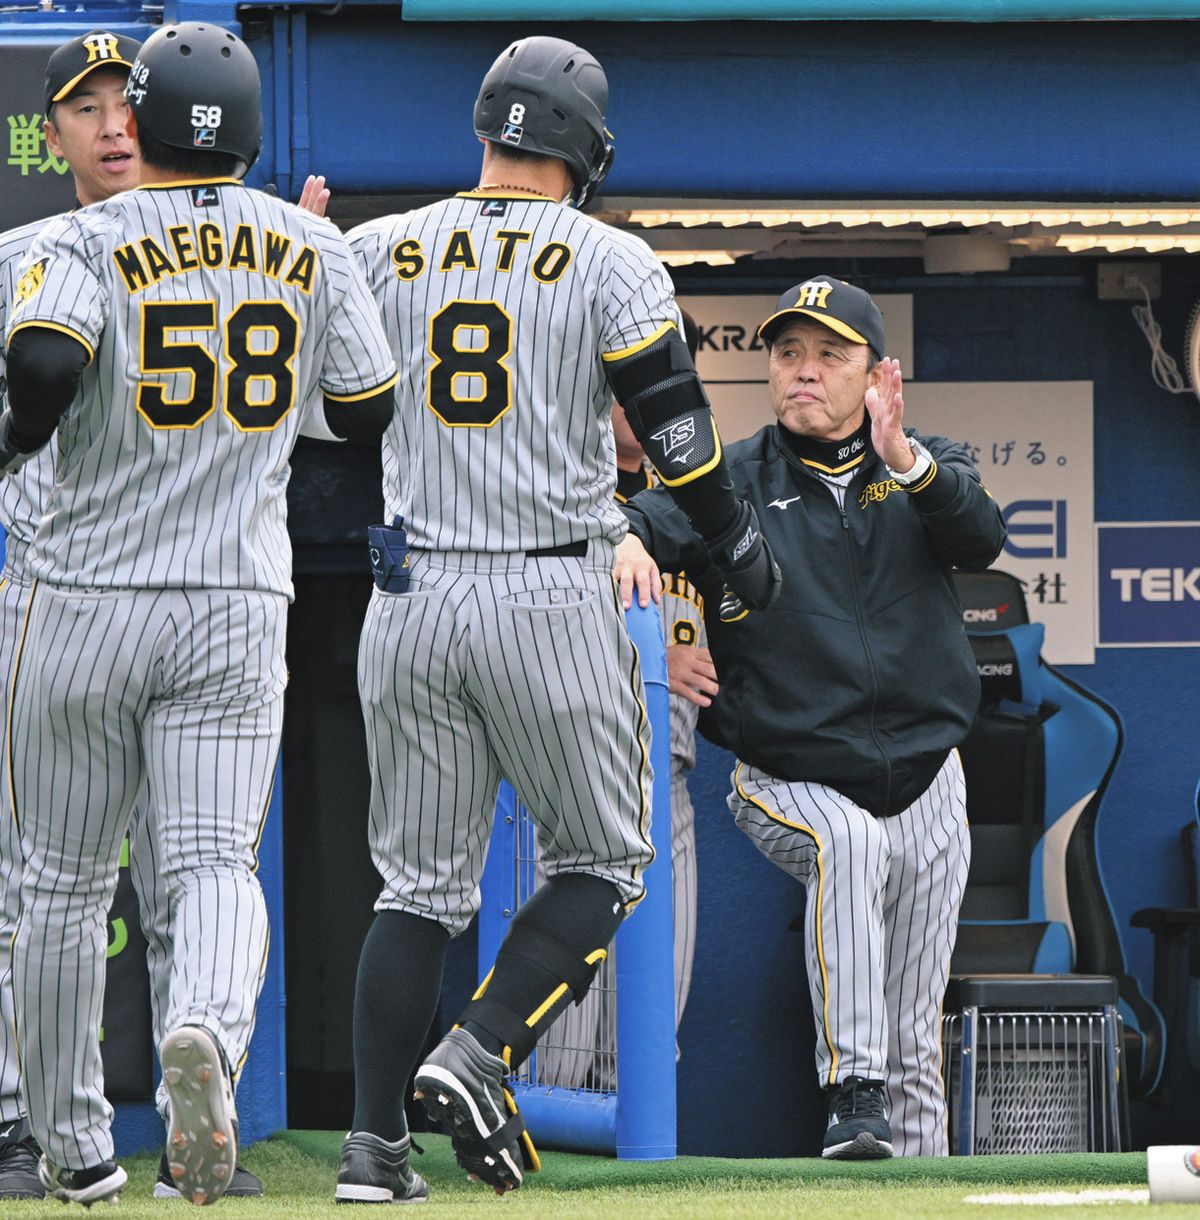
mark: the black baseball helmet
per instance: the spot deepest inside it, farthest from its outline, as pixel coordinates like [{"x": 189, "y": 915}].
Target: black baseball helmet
[
  {"x": 548, "y": 96},
  {"x": 195, "y": 85}
]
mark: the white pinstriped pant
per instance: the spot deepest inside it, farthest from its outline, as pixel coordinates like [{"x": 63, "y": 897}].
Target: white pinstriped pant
[
  {"x": 180, "y": 690},
  {"x": 880, "y": 922},
  {"x": 496, "y": 665},
  {"x": 154, "y": 909}
]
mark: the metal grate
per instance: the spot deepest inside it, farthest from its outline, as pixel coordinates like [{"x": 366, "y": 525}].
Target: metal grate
[{"x": 1041, "y": 1083}]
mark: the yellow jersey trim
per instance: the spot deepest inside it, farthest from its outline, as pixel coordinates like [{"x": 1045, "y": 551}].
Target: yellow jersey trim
[
  {"x": 812, "y": 834},
  {"x": 834, "y": 469},
  {"x": 386, "y": 385},
  {"x": 612, "y": 357},
  {"x": 643, "y": 731},
  {"x": 170, "y": 186},
  {"x": 921, "y": 484},
  {"x": 66, "y": 330},
  {"x": 262, "y": 974}
]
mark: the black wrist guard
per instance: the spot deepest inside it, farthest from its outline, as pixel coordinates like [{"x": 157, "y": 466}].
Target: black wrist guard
[{"x": 741, "y": 554}]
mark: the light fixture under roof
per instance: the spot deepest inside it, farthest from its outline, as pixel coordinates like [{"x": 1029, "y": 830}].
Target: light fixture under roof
[
  {"x": 968, "y": 215},
  {"x": 982, "y": 234},
  {"x": 711, "y": 258}
]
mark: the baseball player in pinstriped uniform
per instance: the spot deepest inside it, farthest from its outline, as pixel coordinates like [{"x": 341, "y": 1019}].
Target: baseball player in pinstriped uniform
[
  {"x": 85, "y": 125},
  {"x": 172, "y": 335},
  {"x": 494, "y": 644},
  {"x": 845, "y": 702}
]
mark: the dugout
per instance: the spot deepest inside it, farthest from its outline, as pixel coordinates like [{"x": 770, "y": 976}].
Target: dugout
[{"x": 940, "y": 111}]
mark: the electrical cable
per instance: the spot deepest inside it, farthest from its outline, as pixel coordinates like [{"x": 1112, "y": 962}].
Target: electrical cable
[{"x": 1163, "y": 368}]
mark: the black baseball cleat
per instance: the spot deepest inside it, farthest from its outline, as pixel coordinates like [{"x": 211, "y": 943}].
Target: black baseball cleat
[
  {"x": 372, "y": 1170},
  {"x": 19, "y": 1156},
  {"x": 243, "y": 1184},
  {"x": 462, "y": 1086},
  {"x": 86, "y": 1186},
  {"x": 202, "y": 1134},
  {"x": 858, "y": 1126}
]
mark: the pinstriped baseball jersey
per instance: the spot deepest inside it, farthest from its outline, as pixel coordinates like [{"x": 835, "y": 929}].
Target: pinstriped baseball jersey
[
  {"x": 212, "y": 313},
  {"x": 23, "y": 494},
  {"x": 683, "y": 623},
  {"x": 501, "y": 309}
]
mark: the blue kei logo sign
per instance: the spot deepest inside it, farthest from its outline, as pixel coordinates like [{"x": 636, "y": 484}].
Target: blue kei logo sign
[{"x": 1150, "y": 583}]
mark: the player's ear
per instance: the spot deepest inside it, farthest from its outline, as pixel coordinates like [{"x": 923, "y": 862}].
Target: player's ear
[
  {"x": 52, "y": 143},
  {"x": 131, "y": 123}
]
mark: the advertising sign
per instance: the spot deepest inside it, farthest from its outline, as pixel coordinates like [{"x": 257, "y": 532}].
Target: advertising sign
[
  {"x": 33, "y": 181},
  {"x": 1148, "y": 592}
]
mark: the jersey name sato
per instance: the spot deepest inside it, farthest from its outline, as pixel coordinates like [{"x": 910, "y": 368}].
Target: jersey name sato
[
  {"x": 147, "y": 260},
  {"x": 549, "y": 262}
]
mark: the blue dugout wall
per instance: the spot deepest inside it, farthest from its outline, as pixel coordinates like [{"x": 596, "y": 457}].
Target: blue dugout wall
[
  {"x": 888, "y": 109},
  {"x": 798, "y": 111}
]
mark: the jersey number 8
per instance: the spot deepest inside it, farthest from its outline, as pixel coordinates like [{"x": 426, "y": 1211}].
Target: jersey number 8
[
  {"x": 469, "y": 384},
  {"x": 270, "y": 368}
]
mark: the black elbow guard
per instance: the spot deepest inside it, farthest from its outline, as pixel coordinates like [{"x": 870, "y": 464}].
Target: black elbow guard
[
  {"x": 362, "y": 419},
  {"x": 667, "y": 409}
]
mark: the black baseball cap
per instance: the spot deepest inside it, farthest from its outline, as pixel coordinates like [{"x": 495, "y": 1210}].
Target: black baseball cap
[
  {"x": 846, "y": 310},
  {"x": 76, "y": 59}
]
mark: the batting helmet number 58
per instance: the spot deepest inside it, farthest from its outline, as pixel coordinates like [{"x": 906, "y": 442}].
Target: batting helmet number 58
[{"x": 206, "y": 116}]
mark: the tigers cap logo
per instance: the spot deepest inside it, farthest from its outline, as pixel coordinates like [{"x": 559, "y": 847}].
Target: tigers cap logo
[
  {"x": 101, "y": 46},
  {"x": 1191, "y": 1161}
]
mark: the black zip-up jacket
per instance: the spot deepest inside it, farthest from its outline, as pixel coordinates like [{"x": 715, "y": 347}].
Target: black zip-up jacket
[{"x": 860, "y": 676}]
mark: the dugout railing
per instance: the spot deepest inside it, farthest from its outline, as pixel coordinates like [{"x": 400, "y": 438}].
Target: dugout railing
[{"x": 625, "y": 1104}]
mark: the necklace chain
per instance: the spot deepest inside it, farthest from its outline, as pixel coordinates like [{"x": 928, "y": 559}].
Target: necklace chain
[{"x": 507, "y": 186}]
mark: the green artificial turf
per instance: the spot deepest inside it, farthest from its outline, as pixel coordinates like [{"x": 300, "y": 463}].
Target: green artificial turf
[
  {"x": 299, "y": 1171},
  {"x": 571, "y": 1171}
]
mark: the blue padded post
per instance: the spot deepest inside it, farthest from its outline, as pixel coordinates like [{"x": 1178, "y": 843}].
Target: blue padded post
[
  {"x": 646, "y": 949},
  {"x": 638, "y": 1122}
]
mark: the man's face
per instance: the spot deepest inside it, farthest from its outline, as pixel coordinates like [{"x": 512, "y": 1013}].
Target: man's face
[
  {"x": 89, "y": 132},
  {"x": 818, "y": 381}
]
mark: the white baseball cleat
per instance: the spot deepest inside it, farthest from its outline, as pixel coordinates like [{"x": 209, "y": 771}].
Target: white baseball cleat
[{"x": 202, "y": 1136}]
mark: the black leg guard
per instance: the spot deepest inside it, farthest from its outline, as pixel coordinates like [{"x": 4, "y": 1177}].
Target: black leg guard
[{"x": 548, "y": 959}]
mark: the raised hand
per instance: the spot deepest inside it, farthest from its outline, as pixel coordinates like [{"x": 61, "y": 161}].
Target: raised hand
[
  {"x": 885, "y": 406},
  {"x": 314, "y": 197}
]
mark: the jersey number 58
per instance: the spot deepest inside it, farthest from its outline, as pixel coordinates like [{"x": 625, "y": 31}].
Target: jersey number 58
[{"x": 259, "y": 380}]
